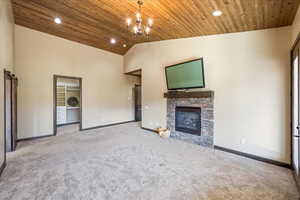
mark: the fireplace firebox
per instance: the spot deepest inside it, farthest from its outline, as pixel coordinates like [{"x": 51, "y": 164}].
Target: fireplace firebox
[{"x": 188, "y": 120}]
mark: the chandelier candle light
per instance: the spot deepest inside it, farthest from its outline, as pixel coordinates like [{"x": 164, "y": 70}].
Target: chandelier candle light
[{"x": 139, "y": 28}]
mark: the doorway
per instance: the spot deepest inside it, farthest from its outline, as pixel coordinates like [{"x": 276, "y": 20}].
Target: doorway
[
  {"x": 138, "y": 102},
  {"x": 295, "y": 61},
  {"x": 10, "y": 111},
  {"x": 137, "y": 94},
  {"x": 67, "y": 104}
]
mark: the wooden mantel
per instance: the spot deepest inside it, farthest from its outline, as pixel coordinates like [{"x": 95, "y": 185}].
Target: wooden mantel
[{"x": 191, "y": 94}]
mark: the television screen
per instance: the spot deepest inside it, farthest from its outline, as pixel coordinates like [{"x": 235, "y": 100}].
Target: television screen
[{"x": 185, "y": 75}]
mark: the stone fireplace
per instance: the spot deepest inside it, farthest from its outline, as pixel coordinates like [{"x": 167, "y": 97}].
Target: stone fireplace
[{"x": 190, "y": 116}]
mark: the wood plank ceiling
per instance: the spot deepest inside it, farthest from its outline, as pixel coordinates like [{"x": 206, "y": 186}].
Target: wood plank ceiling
[{"x": 95, "y": 22}]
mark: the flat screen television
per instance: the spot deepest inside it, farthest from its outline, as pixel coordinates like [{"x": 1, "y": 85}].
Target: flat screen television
[{"x": 185, "y": 75}]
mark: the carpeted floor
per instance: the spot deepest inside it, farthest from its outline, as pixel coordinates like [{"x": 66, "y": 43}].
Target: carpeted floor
[
  {"x": 73, "y": 128},
  {"x": 126, "y": 163}
]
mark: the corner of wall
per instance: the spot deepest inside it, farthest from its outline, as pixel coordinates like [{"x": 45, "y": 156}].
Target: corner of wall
[
  {"x": 125, "y": 58},
  {"x": 295, "y": 28}
]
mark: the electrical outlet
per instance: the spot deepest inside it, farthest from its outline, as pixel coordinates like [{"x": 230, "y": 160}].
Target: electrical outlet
[{"x": 243, "y": 141}]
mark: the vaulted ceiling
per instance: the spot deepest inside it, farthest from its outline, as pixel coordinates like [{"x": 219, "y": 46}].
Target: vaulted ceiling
[{"x": 95, "y": 22}]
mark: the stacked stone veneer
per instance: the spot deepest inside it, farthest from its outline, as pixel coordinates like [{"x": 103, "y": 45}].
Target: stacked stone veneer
[{"x": 207, "y": 119}]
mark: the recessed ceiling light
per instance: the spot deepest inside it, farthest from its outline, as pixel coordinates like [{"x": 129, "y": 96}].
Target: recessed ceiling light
[
  {"x": 113, "y": 41},
  {"x": 57, "y": 20},
  {"x": 124, "y": 45},
  {"x": 217, "y": 13}
]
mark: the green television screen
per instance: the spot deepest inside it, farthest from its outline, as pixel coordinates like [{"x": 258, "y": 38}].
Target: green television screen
[{"x": 185, "y": 75}]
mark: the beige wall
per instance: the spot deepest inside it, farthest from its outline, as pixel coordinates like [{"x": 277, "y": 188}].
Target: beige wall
[
  {"x": 296, "y": 27},
  {"x": 6, "y": 58},
  {"x": 107, "y": 93},
  {"x": 250, "y": 75}
]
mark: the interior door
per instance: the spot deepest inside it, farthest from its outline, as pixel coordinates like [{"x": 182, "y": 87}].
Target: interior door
[
  {"x": 138, "y": 102},
  {"x": 295, "y": 109}
]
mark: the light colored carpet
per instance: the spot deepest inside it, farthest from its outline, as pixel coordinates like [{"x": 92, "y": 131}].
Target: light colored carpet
[
  {"x": 68, "y": 129},
  {"x": 127, "y": 163}
]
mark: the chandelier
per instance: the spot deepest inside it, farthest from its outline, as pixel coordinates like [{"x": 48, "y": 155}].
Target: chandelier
[{"x": 138, "y": 28}]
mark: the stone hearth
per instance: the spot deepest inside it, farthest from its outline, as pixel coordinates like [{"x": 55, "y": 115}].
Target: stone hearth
[{"x": 202, "y": 99}]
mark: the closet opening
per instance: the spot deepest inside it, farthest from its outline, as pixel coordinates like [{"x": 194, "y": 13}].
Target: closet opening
[
  {"x": 67, "y": 104},
  {"x": 137, "y": 90}
]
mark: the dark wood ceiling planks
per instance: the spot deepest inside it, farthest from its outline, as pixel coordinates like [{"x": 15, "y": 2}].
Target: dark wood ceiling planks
[{"x": 94, "y": 22}]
